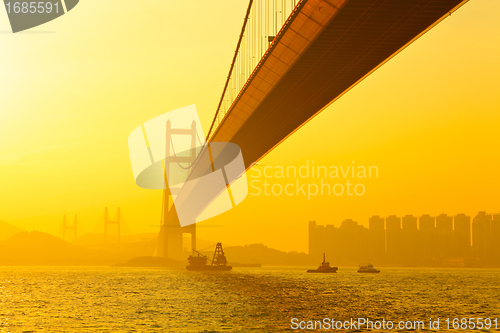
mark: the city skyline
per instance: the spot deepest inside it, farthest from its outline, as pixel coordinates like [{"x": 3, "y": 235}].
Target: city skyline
[{"x": 441, "y": 240}]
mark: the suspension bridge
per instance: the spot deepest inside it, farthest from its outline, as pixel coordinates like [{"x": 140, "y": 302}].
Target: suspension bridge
[{"x": 294, "y": 58}]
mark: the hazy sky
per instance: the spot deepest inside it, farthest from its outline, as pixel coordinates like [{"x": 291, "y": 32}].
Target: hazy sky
[{"x": 73, "y": 89}]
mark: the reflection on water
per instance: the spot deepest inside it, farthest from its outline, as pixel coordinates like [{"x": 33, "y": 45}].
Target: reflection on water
[{"x": 246, "y": 299}]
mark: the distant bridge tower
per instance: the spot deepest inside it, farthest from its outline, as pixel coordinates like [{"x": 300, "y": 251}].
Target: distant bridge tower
[
  {"x": 171, "y": 232},
  {"x": 65, "y": 227},
  {"x": 107, "y": 221}
]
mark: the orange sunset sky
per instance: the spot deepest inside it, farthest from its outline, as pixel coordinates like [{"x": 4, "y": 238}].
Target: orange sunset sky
[{"x": 72, "y": 90}]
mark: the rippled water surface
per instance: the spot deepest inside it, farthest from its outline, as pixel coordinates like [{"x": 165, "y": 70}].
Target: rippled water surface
[{"x": 243, "y": 300}]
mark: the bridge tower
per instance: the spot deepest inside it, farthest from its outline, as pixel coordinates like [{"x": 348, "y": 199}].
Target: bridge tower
[
  {"x": 171, "y": 232},
  {"x": 65, "y": 227},
  {"x": 107, "y": 221}
]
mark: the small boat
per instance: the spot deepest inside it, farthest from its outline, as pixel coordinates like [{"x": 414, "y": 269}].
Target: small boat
[
  {"x": 198, "y": 262},
  {"x": 368, "y": 268},
  {"x": 324, "y": 268}
]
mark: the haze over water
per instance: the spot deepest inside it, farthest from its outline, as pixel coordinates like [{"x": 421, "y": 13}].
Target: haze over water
[{"x": 246, "y": 299}]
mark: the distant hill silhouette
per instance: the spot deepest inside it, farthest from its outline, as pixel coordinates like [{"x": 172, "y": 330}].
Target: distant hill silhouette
[
  {"x": 38, "y": 248},
  {"x": 8, "y": 230},
  {"x": 259, "y": 253},
  {"x": 237, "y": 256},
  {"x": 143, "y": 244},
  {"x": 93, "y": 239}
]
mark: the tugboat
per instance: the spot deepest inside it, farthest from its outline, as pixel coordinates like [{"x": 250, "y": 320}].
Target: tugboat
[
  {"x": 198, "y": 262},
  {"x": 324, "y": 267},
  {"x": 367, "y": 269}
]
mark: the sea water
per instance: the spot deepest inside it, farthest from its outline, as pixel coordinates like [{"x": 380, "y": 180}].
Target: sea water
[{"x": 268, "y": 299}]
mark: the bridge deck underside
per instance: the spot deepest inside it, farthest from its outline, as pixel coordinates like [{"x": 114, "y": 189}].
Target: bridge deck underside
[{"x": 361, "y": 36}]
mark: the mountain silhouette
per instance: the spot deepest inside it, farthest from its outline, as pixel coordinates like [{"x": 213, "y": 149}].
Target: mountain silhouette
[
  {"x": 8, "y": 230},
  {"x": 259, "y": 253},
  {"x": 39, "y": 248}
]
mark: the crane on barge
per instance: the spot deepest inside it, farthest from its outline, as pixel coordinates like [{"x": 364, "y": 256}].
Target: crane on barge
[{"x": 198, "y": 261}]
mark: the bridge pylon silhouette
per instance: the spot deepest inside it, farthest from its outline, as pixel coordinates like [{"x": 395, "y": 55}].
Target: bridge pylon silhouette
[
  {"x": 115, "y": 222},
  {"x": 171, "y": 232},
  {"x": 65, "y": 227}
]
